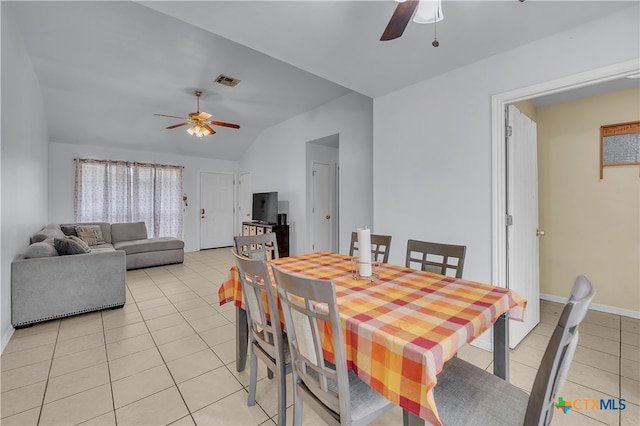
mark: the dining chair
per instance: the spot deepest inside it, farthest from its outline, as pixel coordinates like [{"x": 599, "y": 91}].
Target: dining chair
[
  {"x": 335, "y": 393},
  {"x": 265, "y": 333},
  {"x": 260, "y": 247},
  {"x": 466, "y": 394},
  {"x": 434, "y": 257},
  {"x": 380, "y": 246}
]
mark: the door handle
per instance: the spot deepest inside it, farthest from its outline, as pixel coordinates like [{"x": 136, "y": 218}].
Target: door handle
[
  {"x": 201, "y": 211},
  {"x": 327, "y": 217},
  {"x": 539, "y": 233}
]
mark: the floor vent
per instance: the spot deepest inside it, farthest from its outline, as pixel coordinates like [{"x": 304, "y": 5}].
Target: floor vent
[{"x": 227, "y": 81}]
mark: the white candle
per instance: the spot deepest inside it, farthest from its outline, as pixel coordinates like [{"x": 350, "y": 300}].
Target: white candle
[{"x": 364, "y": 251}]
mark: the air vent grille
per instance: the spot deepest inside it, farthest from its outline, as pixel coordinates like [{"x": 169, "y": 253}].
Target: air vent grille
[{"x": 227, "y": 81}]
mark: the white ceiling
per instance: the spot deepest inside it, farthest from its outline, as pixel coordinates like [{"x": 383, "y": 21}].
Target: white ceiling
[{"x": 106, "y": 67}]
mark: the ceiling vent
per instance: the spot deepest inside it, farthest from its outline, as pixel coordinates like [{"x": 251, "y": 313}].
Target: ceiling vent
[{"x": 227, "y": 81}]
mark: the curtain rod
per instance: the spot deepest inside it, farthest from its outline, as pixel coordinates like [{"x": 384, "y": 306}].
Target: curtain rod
[{"x": 125, "y": 161}]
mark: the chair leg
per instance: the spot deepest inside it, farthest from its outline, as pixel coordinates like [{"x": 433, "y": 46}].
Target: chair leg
[
  {"x": 253, "y": 378},
  {"x": 297, "y": 404},
  {"x": 282, "y": 397}
]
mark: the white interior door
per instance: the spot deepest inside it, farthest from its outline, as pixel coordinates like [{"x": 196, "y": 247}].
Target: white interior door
[
  {"x": 523, "y": 270},
  {"x": 320, "y": 208},
  {"x": 245, "y": 200},
  {"x": 216, "y": 210}
]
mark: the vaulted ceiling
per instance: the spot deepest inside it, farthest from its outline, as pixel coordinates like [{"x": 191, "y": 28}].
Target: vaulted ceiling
[{"x": 105, "y": 68}]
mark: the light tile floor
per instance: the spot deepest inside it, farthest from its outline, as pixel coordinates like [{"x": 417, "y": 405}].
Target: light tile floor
[{"x": 168, "y": 356}]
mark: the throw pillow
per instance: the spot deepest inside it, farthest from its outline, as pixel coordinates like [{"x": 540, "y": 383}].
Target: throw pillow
[
  {"x": 49, "y": 231},
  {"x": 41, "y": 249},
  {"x": 90, "y": 234},
  {"x": 70, "y": 245},
  {"x": 68, "y": 229}
]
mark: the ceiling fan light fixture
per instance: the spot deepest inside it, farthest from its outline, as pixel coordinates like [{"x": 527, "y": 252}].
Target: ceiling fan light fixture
[
  {"x": 198, "y": 131},
  {"x": 428, "y": 12}
]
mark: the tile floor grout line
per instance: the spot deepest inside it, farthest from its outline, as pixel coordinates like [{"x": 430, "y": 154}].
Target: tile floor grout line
[
  {"x": 46, "y": 386},
  {"x": 106, "y": 355}
]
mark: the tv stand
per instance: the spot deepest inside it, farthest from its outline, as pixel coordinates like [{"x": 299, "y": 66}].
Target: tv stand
[{"x": 259, "y": 228}]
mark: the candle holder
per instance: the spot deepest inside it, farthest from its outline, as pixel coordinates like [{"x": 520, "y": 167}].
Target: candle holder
[{"x": 355, "y": 270}]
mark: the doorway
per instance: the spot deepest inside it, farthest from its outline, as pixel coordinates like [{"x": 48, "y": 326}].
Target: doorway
[
  {"x": 245, "y": 200},
  {"x": 499, "y": 155},
  {"x": 322, "y": 157},
  {"x": 216, "y": 209}
]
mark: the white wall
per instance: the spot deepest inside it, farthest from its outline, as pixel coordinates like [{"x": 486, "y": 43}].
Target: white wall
[
  {"x": 432, "y": 141},
  {"x": 277, "y": 162},
  {"x": 24, "y": 159},
  {"x": 62, "y": 178}
]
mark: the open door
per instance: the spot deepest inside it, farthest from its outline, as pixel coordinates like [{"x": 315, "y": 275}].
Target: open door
[{"x": 523, "y": 264}]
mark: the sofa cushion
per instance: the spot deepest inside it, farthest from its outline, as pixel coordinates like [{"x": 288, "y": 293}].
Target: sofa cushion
[
  {"x": 149, "y": 245},
  {"x": 100, "y": 248},
  {"x": 128, "y": 231},
  {"x": 50, "y": 231},
  {"x": 90, "y": 234},
  {"x": 70, "y": 244},
  {"x": 41, "y": 249}
]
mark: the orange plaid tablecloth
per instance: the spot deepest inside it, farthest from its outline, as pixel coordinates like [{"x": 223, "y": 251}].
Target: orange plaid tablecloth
[{"x": 401, "y": 328}]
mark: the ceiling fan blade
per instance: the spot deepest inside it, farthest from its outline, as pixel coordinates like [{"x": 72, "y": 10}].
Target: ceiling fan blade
[
  {"x": 399, "y": 20},
  {"x": 222, "y": 123},
  {"x": 177, "y": 125},
  {"x": 206, "y": 126},
  {"x": 171, "y": 116}
]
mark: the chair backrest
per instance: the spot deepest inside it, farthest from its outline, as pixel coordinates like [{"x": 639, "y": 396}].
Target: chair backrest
[
  {"x": 308, "y": 306},
  {"x": 258, "y": 292},
  {"x": 558, "y": 355},
  {"x": 380, "y": 246},
  {"x": 435, "y": 257},
  {"x": 260, "y": 247}
]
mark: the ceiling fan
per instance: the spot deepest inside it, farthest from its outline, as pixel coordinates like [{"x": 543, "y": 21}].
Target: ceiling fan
[
  {"x": 200, "y": 126},
  {"x": 429, "y": 11}
]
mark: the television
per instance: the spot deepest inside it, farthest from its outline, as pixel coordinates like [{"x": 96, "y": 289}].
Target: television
[{"x": 265, "y": 207}]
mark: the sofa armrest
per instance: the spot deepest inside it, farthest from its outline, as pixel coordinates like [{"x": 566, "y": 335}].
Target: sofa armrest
[{"x": 53, "y": 287}]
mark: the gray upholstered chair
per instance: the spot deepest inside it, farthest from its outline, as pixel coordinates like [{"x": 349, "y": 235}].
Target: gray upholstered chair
[
  {"x": 261, "y": 247},
  {"x": 336, "y": 394},
  {"x": 380, "y": 246},
  {"x": 266, "y": 339},
  {"x": 434, "y": 257},
  {"x": 468, "y": 395}
]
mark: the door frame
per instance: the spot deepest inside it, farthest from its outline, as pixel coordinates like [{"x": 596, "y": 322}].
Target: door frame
[{"x": 498, "y": 153}]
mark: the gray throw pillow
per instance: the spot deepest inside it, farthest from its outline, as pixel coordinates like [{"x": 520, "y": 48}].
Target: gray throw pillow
[
  {"x": 41, "y": 249},
  {"x": 90, "y": 234},
  {"x": 68, "y": 229},
  {"x": 70, "y": 245},
  {"x": 50, "y": 231}
]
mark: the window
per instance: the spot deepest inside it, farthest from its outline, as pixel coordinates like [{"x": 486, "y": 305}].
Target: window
[{"x": 119, "y": 191}]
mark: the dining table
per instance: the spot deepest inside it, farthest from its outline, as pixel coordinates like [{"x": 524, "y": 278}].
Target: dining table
[{"x": 401, "y": 326}]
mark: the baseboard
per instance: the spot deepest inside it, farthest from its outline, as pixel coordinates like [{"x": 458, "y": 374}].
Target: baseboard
[
  {"x": 6, "y": 338},
  {"x": 595, "y": 306}
]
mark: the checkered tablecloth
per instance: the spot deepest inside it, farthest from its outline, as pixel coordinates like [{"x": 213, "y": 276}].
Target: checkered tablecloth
[{"x": 401, "y": 328}]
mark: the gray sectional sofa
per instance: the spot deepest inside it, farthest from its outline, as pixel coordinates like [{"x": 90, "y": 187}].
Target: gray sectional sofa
[{"x": 60, "y": 274}]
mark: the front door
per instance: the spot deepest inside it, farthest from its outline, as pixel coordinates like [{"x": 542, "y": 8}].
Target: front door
[
  {"x": 216, "y": 210},
  {"x": 523, "y": 270}
]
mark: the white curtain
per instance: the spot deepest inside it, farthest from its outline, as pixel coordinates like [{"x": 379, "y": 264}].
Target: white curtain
[
  {"x": 102, "y": 191},
  {"x": 117, "y": 191}
]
